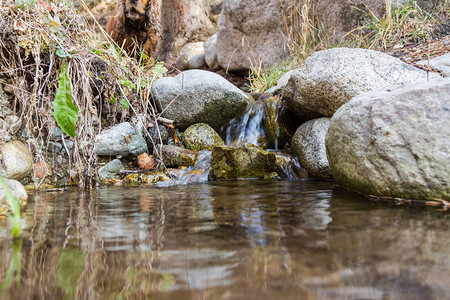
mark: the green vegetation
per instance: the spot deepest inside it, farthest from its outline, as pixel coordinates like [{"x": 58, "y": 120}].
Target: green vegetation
[
  {"x": 399, "y": 24},
  {"x": 306, "y": 34},
  {"x": 14, "y": 205},
  {"x": 64, "y": 111},
  {"x": 64, "y": 71},
  {"x": 262, "y": 79}
]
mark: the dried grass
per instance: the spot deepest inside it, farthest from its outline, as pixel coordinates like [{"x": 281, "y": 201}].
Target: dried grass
[
  {"x": 304, "y": 35},
  {"x": 400, "y": 23},
  {"x": 36, "y": 37}
]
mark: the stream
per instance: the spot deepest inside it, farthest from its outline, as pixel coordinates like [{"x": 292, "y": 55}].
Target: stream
[{"x": 301, "y": 239}]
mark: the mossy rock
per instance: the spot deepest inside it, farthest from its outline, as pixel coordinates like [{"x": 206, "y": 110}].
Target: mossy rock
[
  {"x": 248, "y": 161},
  {"x": 174, "y": 156},
  {"x": 201, "y": 136},
  {"x": 273, "y": 127},
  {"x": 151, "y": 177}
]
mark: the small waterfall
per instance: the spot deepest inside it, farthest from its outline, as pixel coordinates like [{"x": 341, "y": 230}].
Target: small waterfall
[
  {"x": 248, "y": 128},
  {"x": 197, "y": 174},
  {"x": 290, "y": 167},
  {"x": 200, "y": 171},
  {"x": 274, "y": 133}
]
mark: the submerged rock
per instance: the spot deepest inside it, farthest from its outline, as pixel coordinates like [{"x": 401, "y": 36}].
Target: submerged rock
[
  {"x": 17, "y": 190},
  {"x": 201, "y": 136},
  {"x": 150, "y": 177},
  {"x": 17, "y": 160},
  {"x": 308, "y": 144},
  {"x": 330, "y": 78},
  {"x": 198, "y": 96},
  {"x": 394, "y": 143},
  {"x": 121, "y": 139},
  {"x": 248, "y": 161},
  {"x": 174, "y": 156}
]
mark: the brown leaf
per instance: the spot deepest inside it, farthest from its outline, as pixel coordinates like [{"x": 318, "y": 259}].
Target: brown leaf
[{"x": 145, "y": 161}]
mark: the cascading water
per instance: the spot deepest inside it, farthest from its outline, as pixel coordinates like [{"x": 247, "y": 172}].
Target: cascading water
[
  {"x": 197, "y": 174},
  {"x": 259, "y": 126},
  {"x": 248, "y": 128}
]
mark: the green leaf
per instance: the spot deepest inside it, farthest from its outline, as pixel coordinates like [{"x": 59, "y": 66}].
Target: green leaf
[
  {"x": 128, "y": 83},
  {"x": 61, "y": 53},
  {"x": 124, "y": 103},
  {"x": 159, "y": 70},
  {"x": 64, "y": 111}
]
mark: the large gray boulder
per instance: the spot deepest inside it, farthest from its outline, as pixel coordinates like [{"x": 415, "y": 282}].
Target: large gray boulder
[
  {"x": 330, "y": 78},
  {"x": 16, "y": 160},
  {"x": 250, "y": 32},
  {"x": 121, "y": 139},
  {"x": 308, "y": 144},
  {"x": 394, "y": 142},
  {"x": 198, "y": 96}
]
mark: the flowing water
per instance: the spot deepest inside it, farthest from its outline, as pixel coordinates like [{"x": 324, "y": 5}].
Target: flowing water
[
  {"x": 247, "y": 128},
  {"x": 225, "y": 240}
]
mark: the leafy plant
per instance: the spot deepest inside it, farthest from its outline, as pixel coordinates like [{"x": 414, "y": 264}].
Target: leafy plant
[
  {"x": 124, "y": 104},
  {"x": 64, "y": 111},
  {"x": 128, "y": 83},
  {"x": 13, "y": 203}
]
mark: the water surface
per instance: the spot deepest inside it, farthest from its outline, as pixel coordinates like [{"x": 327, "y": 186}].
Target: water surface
[{"x": 226, "y": 240}]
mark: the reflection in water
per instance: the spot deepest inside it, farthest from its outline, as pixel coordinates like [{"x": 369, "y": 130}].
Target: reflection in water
[
  {"x": 226, "y": 240},
  {"x": 15, "y": 267}
]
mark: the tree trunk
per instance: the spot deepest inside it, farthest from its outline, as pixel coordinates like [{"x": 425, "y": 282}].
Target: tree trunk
[{"x": 183, "y": 21}]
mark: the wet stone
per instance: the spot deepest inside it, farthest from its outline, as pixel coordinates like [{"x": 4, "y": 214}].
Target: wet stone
[
  {"x": 201, "y": 136},
  {"x": 248, "y": 161},
  {"x": 174, "y": 156},
  {"x": 111, "y": 169},
  {"x": 151, "y": 177}
]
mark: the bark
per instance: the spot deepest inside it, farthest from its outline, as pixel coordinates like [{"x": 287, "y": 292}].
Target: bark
[{"x": 183, "y": 21}]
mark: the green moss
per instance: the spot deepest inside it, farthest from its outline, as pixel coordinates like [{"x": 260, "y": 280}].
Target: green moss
[
  {"x": 201, "y": 136},
  {"x": 273, "y": 127},
  {"x": 249, "y": 161},
  {"x": 150, "y": 177}
]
